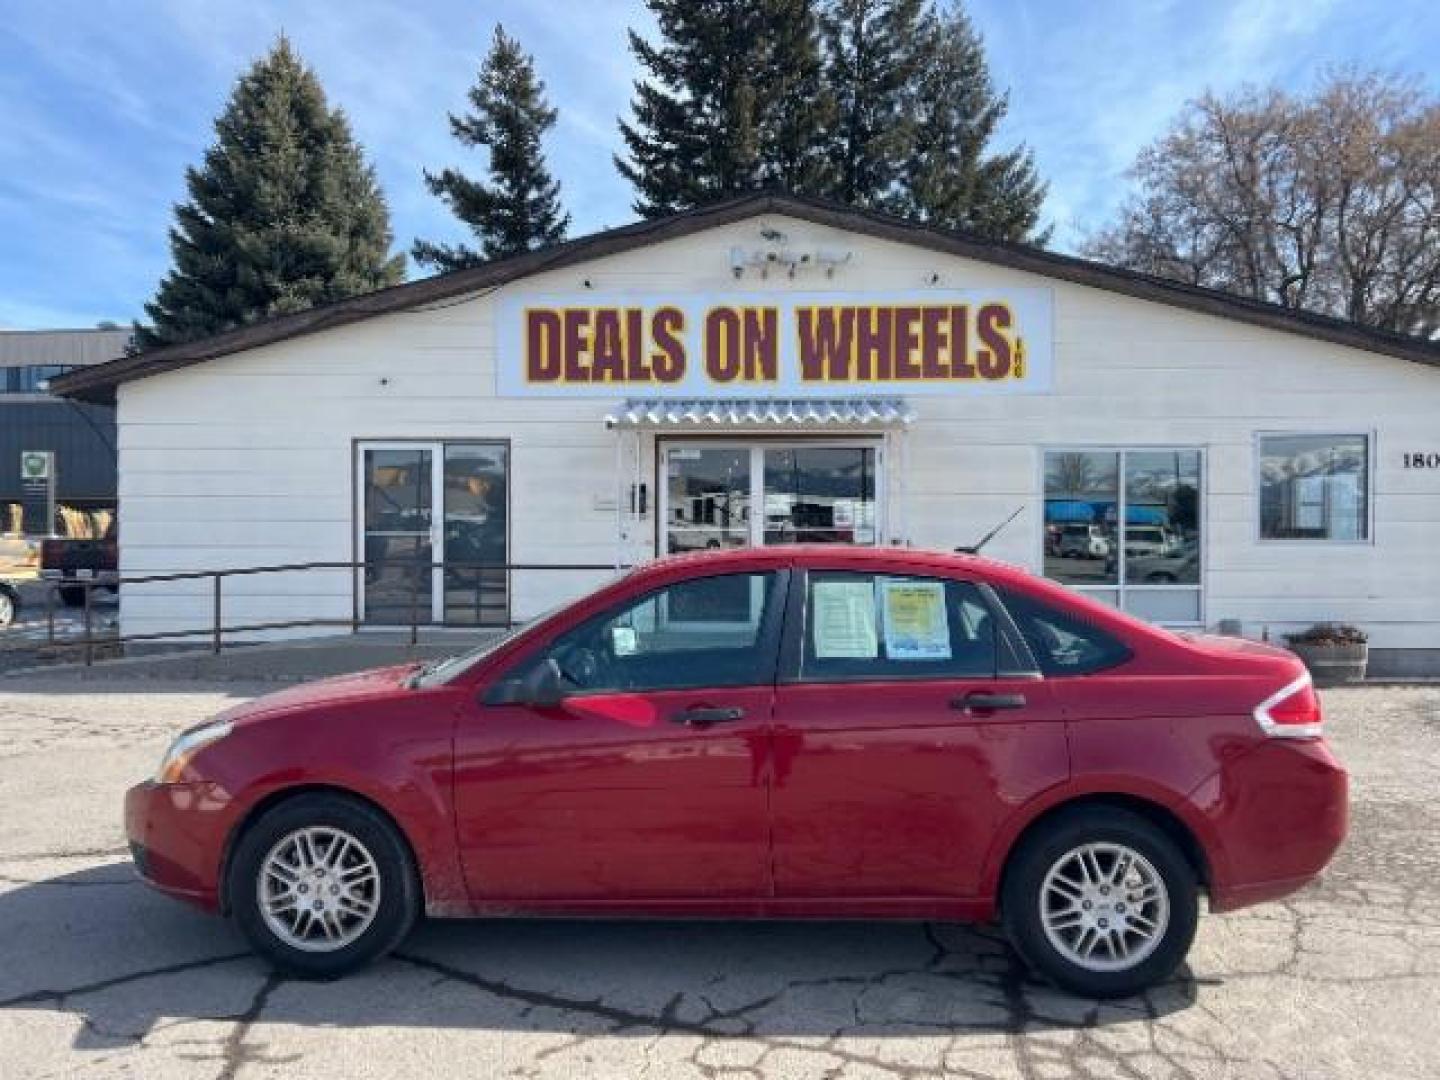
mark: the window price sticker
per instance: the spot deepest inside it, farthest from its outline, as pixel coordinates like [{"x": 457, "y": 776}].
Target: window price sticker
[{"x": 916, "y": 623}]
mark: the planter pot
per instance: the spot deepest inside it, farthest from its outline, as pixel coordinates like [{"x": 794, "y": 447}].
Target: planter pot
[{"x": 1334, "y": 665}]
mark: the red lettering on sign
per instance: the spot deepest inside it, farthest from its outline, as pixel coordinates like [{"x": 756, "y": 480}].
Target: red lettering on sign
[
  {"x": 637, "y": 364},
  {"x": 994, "y": 358},
  {"x": 609, "y": 363},
  {"x": 761, "y": 345},
  {"x": 722, "y": 337},
  {"x": 577, "y": 344},
  {"x": 542, "y": 345},
  {"x": 907, "y": 341},
  {"x": 933, "y": 342},
  {"x": 668, "y": 359},
  {"x": 873, "y": 342},
  {"x": 827, "y": 338},
  {"x": 960, "y": 365}
]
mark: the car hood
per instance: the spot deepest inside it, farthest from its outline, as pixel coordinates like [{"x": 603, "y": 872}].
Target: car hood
[{"x": 360, "y": 686}]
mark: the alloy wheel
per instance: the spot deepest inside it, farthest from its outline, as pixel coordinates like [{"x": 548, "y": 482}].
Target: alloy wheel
[
  {"x": 1104, "y": 907},
  {"x": 318, "y": 889}
]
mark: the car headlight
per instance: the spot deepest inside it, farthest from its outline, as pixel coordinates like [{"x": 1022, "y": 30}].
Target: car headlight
[{"x": 172, "y": 765}]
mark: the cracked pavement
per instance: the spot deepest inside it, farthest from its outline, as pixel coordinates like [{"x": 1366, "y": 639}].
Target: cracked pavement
[{"x": 101, "y": 977}]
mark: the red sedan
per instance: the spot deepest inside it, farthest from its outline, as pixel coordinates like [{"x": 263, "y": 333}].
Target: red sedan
[{"x": 806, "y": 732}]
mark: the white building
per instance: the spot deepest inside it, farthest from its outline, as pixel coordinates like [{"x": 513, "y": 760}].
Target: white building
[{"x": 770, "y": 370}]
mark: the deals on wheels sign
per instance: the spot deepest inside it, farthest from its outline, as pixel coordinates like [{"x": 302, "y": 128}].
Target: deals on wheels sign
[{"x": 824, "y": 344}]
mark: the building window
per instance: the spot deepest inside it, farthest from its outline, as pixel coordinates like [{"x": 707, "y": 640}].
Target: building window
[
  {"x": 1124, "y": 526},
  {"x": 30, "y": 379},
  {"x": 1315, "y": 487},
  {"x": 812, "y": 493},
  {"x": 433, "y": 527}
]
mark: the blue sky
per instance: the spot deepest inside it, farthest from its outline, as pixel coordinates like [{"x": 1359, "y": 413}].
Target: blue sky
[{"x": 104, "y": 102}]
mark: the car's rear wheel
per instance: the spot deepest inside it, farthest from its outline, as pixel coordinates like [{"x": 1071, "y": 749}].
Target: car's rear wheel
[
  {"x": 1101, "y": 902},
  {"x": 323, "y": 884}
]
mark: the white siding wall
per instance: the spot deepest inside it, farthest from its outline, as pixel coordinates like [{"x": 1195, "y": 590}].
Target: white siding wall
[{"x": 248, "y": 460}]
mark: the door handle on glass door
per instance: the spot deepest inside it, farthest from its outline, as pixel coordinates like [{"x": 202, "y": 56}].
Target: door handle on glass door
[
  {"x": 703, "y": 716},
  {"x": 981, "y": 701}
]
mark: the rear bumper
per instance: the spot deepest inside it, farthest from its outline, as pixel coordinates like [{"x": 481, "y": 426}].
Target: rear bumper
[
  {"x": 1279, "y": 814},
  {"x": 176, "y": 834}
]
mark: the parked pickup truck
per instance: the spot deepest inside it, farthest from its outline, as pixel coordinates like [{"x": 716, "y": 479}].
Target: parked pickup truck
[
  {"x": 9, "y": 603},
  {"x": 19, "y": 561},
  {"x": 70, "y": 560}
]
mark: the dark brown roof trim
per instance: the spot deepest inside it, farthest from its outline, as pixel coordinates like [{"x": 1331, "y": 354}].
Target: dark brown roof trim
[{"x": 98, "y": 383}]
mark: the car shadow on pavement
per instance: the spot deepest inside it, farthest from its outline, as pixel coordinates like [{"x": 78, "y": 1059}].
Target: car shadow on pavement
[{"x": 126, "y": 962}]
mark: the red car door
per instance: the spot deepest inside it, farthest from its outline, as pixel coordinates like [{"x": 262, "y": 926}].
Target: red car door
[
  {"x": 907, "y": 728},
  {"x": 649, "y": 780}
]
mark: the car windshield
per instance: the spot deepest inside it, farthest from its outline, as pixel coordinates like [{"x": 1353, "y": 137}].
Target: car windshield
[{"x": 439, "y": 672}]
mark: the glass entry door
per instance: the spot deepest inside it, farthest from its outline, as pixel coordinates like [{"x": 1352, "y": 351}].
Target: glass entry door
[
  {"x": 724, "y": 495},
  {"x": 432, "y": 528}
]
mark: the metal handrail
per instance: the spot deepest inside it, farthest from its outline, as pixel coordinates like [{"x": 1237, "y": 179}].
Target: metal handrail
[{"x": 217, "y": 630}]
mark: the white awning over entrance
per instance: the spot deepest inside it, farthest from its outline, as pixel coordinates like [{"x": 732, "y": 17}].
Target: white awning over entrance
[
  {"x": 643, "y": 425},
  {"x": 753, "y": 412}
]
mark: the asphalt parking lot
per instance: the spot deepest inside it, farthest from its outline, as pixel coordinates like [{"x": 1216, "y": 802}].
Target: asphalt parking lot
[{"x": 99, "y": 977}]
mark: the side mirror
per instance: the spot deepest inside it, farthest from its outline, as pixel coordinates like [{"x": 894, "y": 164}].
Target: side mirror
[{"x": 544, "y": 688}]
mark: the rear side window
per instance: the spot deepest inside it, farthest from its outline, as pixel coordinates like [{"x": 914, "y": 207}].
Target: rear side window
[
  {"x": 1061, "y": 643},
  {"x": 880, "y": 626}
]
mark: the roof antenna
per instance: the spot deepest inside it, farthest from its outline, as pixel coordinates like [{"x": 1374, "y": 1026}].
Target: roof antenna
[{"x": 974, "y": 549}]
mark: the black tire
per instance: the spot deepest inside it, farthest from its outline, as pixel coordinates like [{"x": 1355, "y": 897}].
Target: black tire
[
  {"x": 1020, "y": 901},
  {"x": 72, "y": 595},
  {"x": 399, "y": 902}
]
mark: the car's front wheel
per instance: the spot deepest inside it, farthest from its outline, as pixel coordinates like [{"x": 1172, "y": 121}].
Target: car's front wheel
[
  {"x": 1101, "y": 902},
  {"x": 323, "y": 884}
]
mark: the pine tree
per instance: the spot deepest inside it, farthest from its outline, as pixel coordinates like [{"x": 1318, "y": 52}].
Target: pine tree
[
  {"x": 283, "y": 214},
  {"x": 873, "y": 54},
  {"x": 801, "y": 107},
  {"x": 519, "y": 209},
  {"x": 734, "y": 100},
  {"x": 951, "y": 180}
]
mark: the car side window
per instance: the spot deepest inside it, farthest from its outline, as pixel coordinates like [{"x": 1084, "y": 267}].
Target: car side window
[
  {"x": 712, "y": 631},
  {"x": 1061, "y": 643},
  {"x": 883, "y": 626}
]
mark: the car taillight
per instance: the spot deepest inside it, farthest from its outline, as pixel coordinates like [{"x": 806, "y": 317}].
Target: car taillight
[{"x": 1293, "y": 712}]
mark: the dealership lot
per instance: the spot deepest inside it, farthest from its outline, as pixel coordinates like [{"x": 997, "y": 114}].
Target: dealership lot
[{"x": 100, "y": 977}]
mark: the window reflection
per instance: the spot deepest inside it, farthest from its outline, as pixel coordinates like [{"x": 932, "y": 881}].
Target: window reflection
[
  {"x": 820, "y": 495},
  {"x": 30, "y": 378},
  {"x": 709, "y": 498},
  {"x": 1162, "y": 517},
  {"x": 1082, "y": 495},
  {"x": 453, "y": 573},
  {"x": 397, "y": 579},
  {"x": 397, "y": 491},
  {"x": 475, "y": 534},
  {"x": 1314, "y": 487},
  {"x": 398, "y": 549},
  {"x": 1126, "y": 526}
]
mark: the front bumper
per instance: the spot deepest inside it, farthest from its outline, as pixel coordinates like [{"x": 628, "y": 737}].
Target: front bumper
[{"x": 177, "y": 836}]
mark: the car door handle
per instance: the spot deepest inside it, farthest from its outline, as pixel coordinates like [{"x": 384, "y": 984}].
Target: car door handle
[
  {"x": 980, "y": 701},
  {"x": 702, "y": 716}
]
